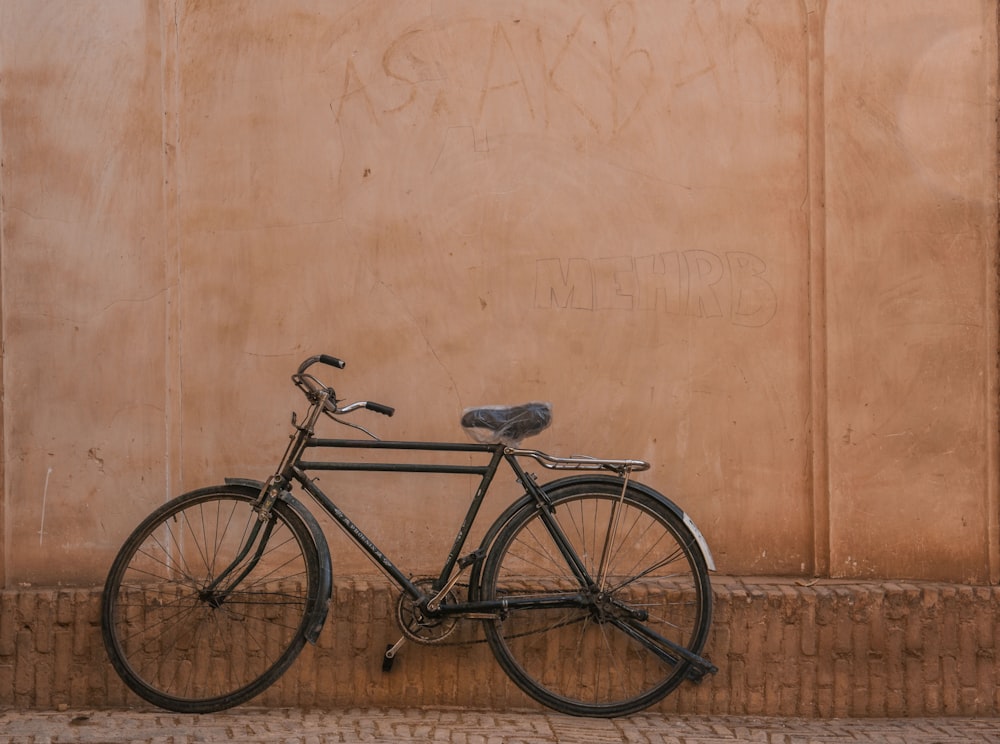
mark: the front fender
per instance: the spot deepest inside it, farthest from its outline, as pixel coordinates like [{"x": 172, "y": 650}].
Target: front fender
[{"x": 325, "y": 589}]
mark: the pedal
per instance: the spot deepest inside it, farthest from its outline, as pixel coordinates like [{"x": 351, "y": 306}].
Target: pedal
[
  {"x": 697, "y": 672},
  {"x": 475, "y": 555},
  {"x": 390, "y": 654}
]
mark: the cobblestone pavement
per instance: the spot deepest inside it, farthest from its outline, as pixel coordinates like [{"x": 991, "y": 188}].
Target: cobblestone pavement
[{"x": 293, "y": 726}]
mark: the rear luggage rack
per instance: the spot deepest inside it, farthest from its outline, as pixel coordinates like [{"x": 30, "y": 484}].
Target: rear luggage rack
[{"x": 580, "y": 462}]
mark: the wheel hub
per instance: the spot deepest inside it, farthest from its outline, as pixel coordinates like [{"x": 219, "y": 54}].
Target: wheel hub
[
  {"x": 211, "y": 598},
  {"x": 604, "y": 607}
]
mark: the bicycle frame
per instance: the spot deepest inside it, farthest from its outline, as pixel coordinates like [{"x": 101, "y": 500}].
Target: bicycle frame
[
  {"x": 498, "y": 453},
  {"x": 481, "y": 609},
  {"x": 295, "y": 468}
]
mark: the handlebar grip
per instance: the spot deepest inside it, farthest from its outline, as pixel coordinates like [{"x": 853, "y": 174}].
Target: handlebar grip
[
  {"x": 324, "y": 358},
  {"x": 332, "y": 361},
  {"x": 379, "y": 408}
]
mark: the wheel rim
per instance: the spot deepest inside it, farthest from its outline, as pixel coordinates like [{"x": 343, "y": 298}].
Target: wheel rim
[
  {"x": 580, "y": 659},
  {"x": 184, "y": 642}
]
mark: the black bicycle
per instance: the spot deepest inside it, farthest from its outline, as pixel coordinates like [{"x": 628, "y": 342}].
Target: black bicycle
[{"x": 592, "y": 589}]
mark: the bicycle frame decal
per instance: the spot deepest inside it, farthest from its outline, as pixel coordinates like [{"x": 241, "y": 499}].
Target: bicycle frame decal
[
  {"x": 498, "y": 453},
  {"x": 485, "y": 472}
]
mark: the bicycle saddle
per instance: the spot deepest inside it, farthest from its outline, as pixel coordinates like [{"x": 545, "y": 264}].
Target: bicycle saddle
[{"x": 506, "y": 424}]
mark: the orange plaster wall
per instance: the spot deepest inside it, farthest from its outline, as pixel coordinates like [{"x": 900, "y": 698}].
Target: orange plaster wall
[
  {"x": 752, "y": 243},
  {"x": 911, "y": 248}
]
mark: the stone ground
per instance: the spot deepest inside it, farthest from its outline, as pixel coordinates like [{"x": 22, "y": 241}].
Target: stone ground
[{"x": 295, "y": 726}]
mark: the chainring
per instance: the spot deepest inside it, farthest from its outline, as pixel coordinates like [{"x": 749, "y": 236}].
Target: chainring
[{"x": 416, "y": 624}]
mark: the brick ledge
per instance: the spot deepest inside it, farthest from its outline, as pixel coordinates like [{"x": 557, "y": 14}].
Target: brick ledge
[{"x": 788, "y": 647}]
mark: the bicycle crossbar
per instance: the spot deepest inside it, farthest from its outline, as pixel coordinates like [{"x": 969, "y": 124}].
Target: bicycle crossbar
[
  {"x": 397, "y": 467},
  {"x": 394, "y": 467},
  {"x": 400, "y": 445}
]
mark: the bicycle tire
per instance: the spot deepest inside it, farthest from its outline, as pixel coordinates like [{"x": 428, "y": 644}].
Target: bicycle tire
[
  {"x": 189, "y": 649},
  {"x": 582, "y": 660}
]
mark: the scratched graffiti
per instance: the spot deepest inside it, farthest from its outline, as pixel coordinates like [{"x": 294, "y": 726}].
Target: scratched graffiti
[
  {"x": 694, "y": 283},
  {"x": 520, "y": 68}
]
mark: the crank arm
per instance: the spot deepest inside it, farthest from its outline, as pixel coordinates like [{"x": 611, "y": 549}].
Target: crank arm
[
  {"x": 434, "y": 603},
  {"x": 390, "y": 653}
]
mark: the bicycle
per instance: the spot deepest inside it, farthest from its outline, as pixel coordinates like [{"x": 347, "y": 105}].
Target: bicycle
[{"x": 592, "y": 589}]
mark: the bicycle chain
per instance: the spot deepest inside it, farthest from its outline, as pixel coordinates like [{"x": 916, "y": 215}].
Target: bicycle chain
[{"x": 443, "y": 642}]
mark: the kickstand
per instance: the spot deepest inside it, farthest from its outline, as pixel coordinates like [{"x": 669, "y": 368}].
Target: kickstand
[{"x": 390, "y": 654}]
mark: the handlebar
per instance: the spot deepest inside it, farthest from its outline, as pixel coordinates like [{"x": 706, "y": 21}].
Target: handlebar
[
  {"x": 312, "y": 387},
  {"x": 324, "y": 359}
]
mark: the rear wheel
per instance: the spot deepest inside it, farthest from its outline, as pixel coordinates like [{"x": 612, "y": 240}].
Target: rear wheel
[
  {"x": 607, "y": 644},
  {"x": 206, "y": 604}
]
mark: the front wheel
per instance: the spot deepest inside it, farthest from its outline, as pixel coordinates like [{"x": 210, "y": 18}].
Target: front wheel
[
  {"x": 598, "y": 625},
  {"x": 207, "y": 603}
]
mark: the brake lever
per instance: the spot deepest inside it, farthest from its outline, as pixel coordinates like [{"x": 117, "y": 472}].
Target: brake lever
[
  {"x": 368, "y": 405},
  {"x": 348, "y": 423}
]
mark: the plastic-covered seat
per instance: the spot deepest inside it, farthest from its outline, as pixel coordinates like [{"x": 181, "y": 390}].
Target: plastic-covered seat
[{"x": 507, "y": 425}]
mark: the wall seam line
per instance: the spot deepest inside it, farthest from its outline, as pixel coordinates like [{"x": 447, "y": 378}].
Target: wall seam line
[
  {"x": 992, "y": 303},
  {"x": 4, "y": 480},
  {"x": 170, "y": 74},
  {"x": 819, "y": 465}
]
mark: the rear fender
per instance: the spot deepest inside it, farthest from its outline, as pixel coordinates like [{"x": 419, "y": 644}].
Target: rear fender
[
  {"x": 528, "y": 499},
  {"x": 325, "y": 589},
  {"x": 653, "y": 494}
]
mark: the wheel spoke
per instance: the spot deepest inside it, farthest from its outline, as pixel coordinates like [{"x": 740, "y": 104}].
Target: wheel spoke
[
  {"x": 187, "y": 645},
  {"x": 638, "y": 627}
]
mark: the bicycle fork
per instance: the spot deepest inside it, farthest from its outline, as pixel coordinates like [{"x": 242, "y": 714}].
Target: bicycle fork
[
  {"x": 258, "y": 536},
  {"x": 270, "y": 492}
]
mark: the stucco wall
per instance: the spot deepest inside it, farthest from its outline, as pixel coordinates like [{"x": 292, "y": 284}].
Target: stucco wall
[{"x": 751, "y": 242}]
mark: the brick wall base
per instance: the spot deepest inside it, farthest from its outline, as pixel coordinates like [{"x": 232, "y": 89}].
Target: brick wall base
[{"x": 783, "y": 647}]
